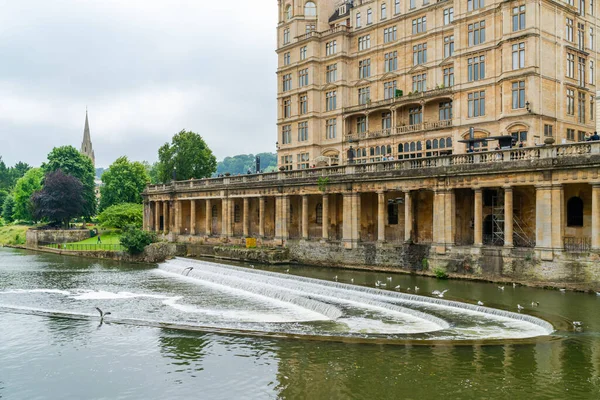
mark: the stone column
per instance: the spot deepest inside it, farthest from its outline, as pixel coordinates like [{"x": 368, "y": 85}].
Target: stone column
[
  {"x": 543, "y": 216},
  {"x": 478, "y": 218},
  {"x": 508, "y": 216},
  {"x": 178, "y": 215},
  {"x": 305, "y": 217},
  {"x": 156, "y": 216},
  {"x": 208, "y": 219},
  {"x": 166, "y": 222},
  {"x": 282, "y": 209},
  {"x": 261, "y": 216},
  {"x": 439, "y": 216},
  {"x": 246, "y": 217},
  {"x": 146, "y": 216},
  {"x": 381, "y": 216},
  {"x": 192, "y": 217},
  {"x": 557, "y": 222},
  {"x": 450, "y": 217},
  {"x": 224, "y": 217},
  {"x": 596, "y": 216},
  {"x": 325, "y": 224},
  {"x": 351, "y": 235},
  {"x": 408, "y": 216}
]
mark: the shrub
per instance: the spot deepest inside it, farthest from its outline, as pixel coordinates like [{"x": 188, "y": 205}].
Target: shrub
[
  {"x": 122, "y": 215},
  {"x": 440, "y": 273},
  {"x": 135, "y": 240}
]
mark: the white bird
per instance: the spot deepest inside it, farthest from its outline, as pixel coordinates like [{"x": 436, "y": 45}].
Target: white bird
[
  {"x": 416, "y": 288},
  {"x": 479, "y": 303},
  {"x": 535, "y": 303},
  {"x": 389, "y": 278},
  {"x": 383, "y": 284},
  {"x": 397, "y": 287},
  {"x": 251, "y": 266},
  {"x": 287, "y": 270},
  {"x": 335, "y": 277},
  {"x": 597, "y": 293},
  {"x": 501, "y": 287},
  {"x": 377, "y": 284},
  {"x": 577, "y": 324},
  {"x": 351, "y": 280},
  {"x": 514, "y": 284},
  {"x": 562, "y": 290},
  {"x": 441, "y": 294},
  {"x": 408, "y": 289},
  {"x": 520, "y": 307}
]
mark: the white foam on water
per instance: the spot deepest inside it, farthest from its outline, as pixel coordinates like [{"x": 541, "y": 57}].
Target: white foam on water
[
  {"x": 22, "y": 291},
  {"x": 104, "y": 295}
]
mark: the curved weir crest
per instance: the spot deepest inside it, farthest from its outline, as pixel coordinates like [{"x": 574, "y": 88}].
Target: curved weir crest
[{"x": 351, "y": 298}]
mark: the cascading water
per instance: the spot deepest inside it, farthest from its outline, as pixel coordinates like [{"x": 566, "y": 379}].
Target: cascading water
[{"x": 332, "y": 308}]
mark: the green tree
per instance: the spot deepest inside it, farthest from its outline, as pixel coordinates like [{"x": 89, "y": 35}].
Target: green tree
[
  {"x": 30, "y": 183},
  {"x": 5, "y": 178},
  {"x": 123, "y": 182},
  {"x": 18, "y": 171},
  {"x": 152, "y": 171},
  {"x": 241, "y": 163},
  {"x": 3, "y": 195},
  {"x": 187, "y": 157},
  {"x": 71, "y": 162},
  {"x": 8, "y": 209},
  {"x": 122, "y": 215},
  {"x": 135, "y": 240}
]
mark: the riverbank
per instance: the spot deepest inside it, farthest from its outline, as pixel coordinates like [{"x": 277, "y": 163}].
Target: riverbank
[{"x": 13, "y": 235}]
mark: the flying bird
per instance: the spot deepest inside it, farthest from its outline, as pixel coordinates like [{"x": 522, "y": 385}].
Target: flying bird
[{"x": 102, "y": 314}]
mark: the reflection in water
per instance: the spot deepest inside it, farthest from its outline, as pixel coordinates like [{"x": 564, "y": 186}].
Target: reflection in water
[{"x": 186, "y": 352}]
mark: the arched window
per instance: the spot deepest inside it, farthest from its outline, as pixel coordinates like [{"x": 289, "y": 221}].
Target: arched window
[
  {"x": 400, "y": 148},
  {"x": 358, "y": 20},
  {"x": 383, "y": 11},
  {"x": 372, "y": 151},
  {"x": 288, "y": 13},
  {"x": 442, "y": 143},
  {"x": 369, "y": 16},
  {"x": 435, "y": 143},
  {"x": 310, "y": 9},
  {"x": 237, "y": 214},
  {"x": 419, "y": 146},
  {"x": 319, "y": 212},
  {"x": 575, "y": 212},
  {"x": 406, "y": 147},
  {"x": 377, "y": 151},
  {"x": 412, "y": 146},
  {"x": 449, "y": 142},
  {"x": 383, "y": 150},
  {"x": 389, "y": 149}
]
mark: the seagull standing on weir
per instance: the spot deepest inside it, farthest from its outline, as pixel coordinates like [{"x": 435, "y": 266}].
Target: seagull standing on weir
[
  {"x": 102, "y": 314},
  {"x": 479, "y": 303},
  {"x": 520, "y": 307}
]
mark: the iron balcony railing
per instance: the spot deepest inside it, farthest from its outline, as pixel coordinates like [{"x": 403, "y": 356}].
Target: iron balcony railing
[{"x": 578, "y": 244}]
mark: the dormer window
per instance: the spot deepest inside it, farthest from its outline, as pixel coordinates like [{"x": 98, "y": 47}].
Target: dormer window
[
  {"x": 342, "y": 10},
  {"x": 288, "y": 13}
]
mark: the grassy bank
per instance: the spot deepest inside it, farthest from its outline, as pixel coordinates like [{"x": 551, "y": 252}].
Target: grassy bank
[{"x": 13, "y": 234}]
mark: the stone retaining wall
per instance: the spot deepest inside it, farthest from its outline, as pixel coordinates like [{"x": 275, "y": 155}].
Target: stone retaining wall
[{"x": 35, "y": 236}]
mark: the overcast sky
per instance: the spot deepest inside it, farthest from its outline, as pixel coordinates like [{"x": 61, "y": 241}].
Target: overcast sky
[{"x": 144, "y": 68}]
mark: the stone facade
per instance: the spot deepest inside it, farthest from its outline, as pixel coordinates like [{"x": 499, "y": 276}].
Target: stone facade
[{"x": 520, "y": 68}]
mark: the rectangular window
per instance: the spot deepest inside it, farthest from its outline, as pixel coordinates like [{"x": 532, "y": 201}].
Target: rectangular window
[
  {"x": 364, "y": 68},
  {"x": 386, "y": 120},
  {"x": 331, "y": 128},
  {"x": 518, "y": 56},
  {"x": 476, "y": 68},
  {"x": 357, "y": 20},
  {"x": 570, "y": 102},
  {"x": 303, "y": 159},
  {"x": 391, "y": 61},
  {"x": 518, "y": 18},
  {"x": 369, "y": 16},
  {"x": 569, "y": 30},
  {"x": 448, "y": 16},
  {"x": 591, "y": 39},
  {"x": 331, "y": 100},
  {"x": 448, "y": 46},
  {"x": 449, "y": 77},
  {"x": 592, "y": 109},
  {"x": 571, "y": 2},
  {"x": 445, "y": 111},
  {"x": 581, "y": 7},
  {"x": 581, "y": 107},
  {"x": 364, "y": 95},
  {"x": 518, "y": 95},
  {"x": 389, "y": 34},
  {"x": 419, "y": 25},
  {"x": 303, "y": 103},
  {"x": 415, "y": 115},
  {"x": 476, "y": 33},
  {"x": 396, "y": 6},
  {"x": 419, "y": 83},
  {"x": 383, "y": 11},
  {"x": 361, "y": 124},
  {"x": 331, "y": 48},
  {"x": 286, "y": 134},
  {"x": 389, "y": 90},
  {"x": 581, "y": 36},
  {"x": 571, "y": 134},
  {"x": 412, "y": 4},
  {"x": 475, "y": 4},
  {"x": 303, "y": 77},
  {"x": 287, "y": 108},
  {"x": 287, "y": 82},
  {"x": 581, "y": 136},
  {"x": 286, "y": 36},
  {"x": 364, "y": 42},
  {"x": 303, "y": 53},
  {"x": 310, "y": 28},
  {"x": 570, "y": 65},
  {"x": 286, "y": 162},
  {"x": 286, "y": 58},
  {"x": 420, "y": 54},
  {"x": 592, "y": 11},
  {"x": 548, "y": 130},
  {"x": 303, "y": 131},
  {"x": 581, "y": 71},
  {"x": 476, "y": 103},
  {"x": 331, "y": 73}
]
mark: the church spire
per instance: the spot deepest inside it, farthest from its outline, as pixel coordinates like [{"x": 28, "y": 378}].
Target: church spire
[{"x": 86, "y": 144}]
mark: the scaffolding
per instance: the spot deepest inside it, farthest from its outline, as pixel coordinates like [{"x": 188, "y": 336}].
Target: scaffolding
[{"x": 521, "y": 231}]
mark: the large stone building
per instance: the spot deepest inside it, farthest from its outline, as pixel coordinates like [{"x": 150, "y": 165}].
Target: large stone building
[
  {"x": 410, "y": 78},
  {"x": 530, "y": 212}
]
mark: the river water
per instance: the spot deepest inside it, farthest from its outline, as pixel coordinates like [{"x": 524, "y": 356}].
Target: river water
[{"x": 198, "y": 329}]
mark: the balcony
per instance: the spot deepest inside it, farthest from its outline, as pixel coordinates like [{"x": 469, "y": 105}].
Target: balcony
[
  {"x": 328, "y": 32},
  {"x": 399, "y": 101},
  {"x": 400, "y": 130}
]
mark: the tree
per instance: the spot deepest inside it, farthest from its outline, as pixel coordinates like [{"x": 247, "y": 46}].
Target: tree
[
  {"x": 240, "y": 163},
  {"x": 30, "y": 183},
  {"x": 71, "y": 162},
  {"x": 187, "y": 157},
  {"x": 135, "y": 240},
  {"x": 61, "y": 199},
  {"x": 8, "y": 209},
  {"x": 123, "y": 182},
  {"x": 152, "y": 171},
  {"x": 122, "y": 215}
]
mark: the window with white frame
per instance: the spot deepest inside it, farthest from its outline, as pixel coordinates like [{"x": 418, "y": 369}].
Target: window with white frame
[
  {"x": 415, "y": 115},
  {"x": 286, "y": 162},
  {"x": 476, "y": 33},
  {"x": 288, "y": 13},
  {"x": 591, "y": 39},
  {"x": 448, "y": 46},
  {"x": 310, "y": 27},
  {"x": 331, "y": 128},
  {"x": 581, "y": 7},
  {"x": 361, "y": 124},
  {"x": 419, "y": 25},
  {"x": 569, "y": 30},
  {"x": 310, "y": 9},
  {"x": 303, "y": 159},
  {"x": 358, "y": 20},
  {"x": 581, "y": 107},
  {"x": 287, "y": 107},
  {"x": 476, "y": 104},
  {"x": 331, "y": 100},
  {"x": 475, "y": 4},
  {"x": 303, "y": 77},
  {"x": 389, "y": 34},
  {"x": 386, "y": 120},
  {"x": 303, "y": 131},
  {"x": 476, "y": 68},
  {"x": 364, "y": 95},
  {"x": 364, "y": 42},
  {"x": 383, "y": 11},
  {"x": 303, "y": 104},
  {"x": 448, "y": 77},
  {"x": 364, "y": 68},
  {"x": 286, "y": 36},
  {"x": 570, "y": 102},
  {"x": 287, "y": 82},
  {"x": 369, "y": 16},
  {"x": 518, "y": 18},
  {"x": 331, "y": 48},
  {"x": 581, "y": 71},
  {"x": 286, "y": 134},
  {"x": 420, "y": 54},
  {"x": 570, "y": 65},
  {"x": 331, "y": 74},
  {"x": 286, "y": 58},
  {"x": 389, "y": 90},
  {"x": 518, "y": 95},
  {"x": 448, "y": 15},
  {"x": 445, "y": 110},
  {"x": 303, "y": 53},
  {"x": 419, "y": 82},
  {"x": 518, "y": 55},
  {"x": 391, "y": 61},
  {"x": 412, "y": 4},
  {"x": 396, "y": 6}
]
